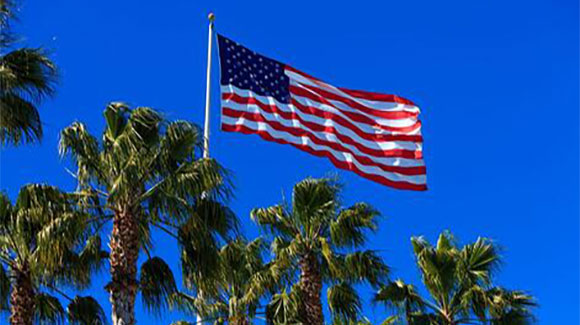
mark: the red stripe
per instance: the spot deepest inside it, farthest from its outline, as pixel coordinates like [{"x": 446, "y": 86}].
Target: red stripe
[
  {"x": 378, "y": 97},
  {"x": 273, "y": 109},
  {"x": 298, "y": 132},
  {"x": 322, "y": 96},
  {"x": 361, "y": 93},
  {"x": 340, "y": 164}
]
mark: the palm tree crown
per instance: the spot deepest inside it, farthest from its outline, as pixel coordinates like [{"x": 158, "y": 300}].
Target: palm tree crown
[
  {"x": 232, "y": 292},
  {"x": 27, "y": 76},
  {"x": 459, "y": 281},
  {"x": 322, "y": 240},
  {"x": 43, "y": 245},
  {"x": 146, "y": 173}
]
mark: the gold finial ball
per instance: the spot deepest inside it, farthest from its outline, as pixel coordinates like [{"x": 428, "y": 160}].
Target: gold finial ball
[{"x": 211, "y": 16}]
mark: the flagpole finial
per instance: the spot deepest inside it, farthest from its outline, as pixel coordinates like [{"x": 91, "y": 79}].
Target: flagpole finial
[{"x": 211, "y": 17}]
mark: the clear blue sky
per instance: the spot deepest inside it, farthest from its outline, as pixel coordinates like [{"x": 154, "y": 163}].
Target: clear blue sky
[{"x": 497, "y": 82}]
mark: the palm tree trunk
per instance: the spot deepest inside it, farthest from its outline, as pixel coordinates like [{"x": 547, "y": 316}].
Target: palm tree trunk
[
  {"x": 22, "y": 298},
  {"x": 311, "y": 288},
  {"x": 124, "y": 247}
]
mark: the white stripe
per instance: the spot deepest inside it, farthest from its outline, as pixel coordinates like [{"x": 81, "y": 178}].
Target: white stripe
[
  {"x": 342, "y": 156},
  {"x": 378, "y": 105},
  {"x": 294, "y": 123},
  {"x": 366, "y": 128}
]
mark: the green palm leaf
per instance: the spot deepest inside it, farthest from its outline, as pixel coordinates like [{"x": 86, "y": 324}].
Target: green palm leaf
[
  {"x": 157, "y": 284},
  {"x": 26, "y": 77},
  {"x": 85, "y": 310},
  {"x": 48, "y": 309}
]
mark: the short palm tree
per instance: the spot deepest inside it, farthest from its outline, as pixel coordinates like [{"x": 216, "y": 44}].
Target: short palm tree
[
  {"x": 459, "y": 281},
  {"x": 43, "y": 244},
  {"x": 27, "y": 76},
  {"x": 232, "y": 292},
  {"x": 322, "y": 240},
  {"x": 146, "y": 172}
]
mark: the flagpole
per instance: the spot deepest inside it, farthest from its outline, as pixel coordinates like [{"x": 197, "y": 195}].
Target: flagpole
[{"x": 211, "y": 18}]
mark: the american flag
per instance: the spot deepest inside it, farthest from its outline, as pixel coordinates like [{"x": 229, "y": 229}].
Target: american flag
[{"x": 377, "y": 136}]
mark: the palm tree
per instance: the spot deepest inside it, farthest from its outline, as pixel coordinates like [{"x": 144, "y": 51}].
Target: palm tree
[
  {"x": 43, "y": 244},
  {"x": 459, "y": 281},
  {"x": 146, "y": 172},
  {"x": 27, "y": 76},
  {"x": 232, "y": 292},
  {"x": 321, "y": 240}
]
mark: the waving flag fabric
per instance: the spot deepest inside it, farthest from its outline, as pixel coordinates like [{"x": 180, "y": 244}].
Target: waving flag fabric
[{"x": 377, "y": 136}]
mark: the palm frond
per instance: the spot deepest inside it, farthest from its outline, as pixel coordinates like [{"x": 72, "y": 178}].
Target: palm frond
[
  {"x": 27, "y": 76},
  {"x": 77, "y": 268},
  {"x": 83, "y": 148},
  {"x": 55, "y": 239},
  {"x": 283, "y": 308},
  {"x": 344, "y": 301},
  {"x": 116, "y": 118},
  {"x": 48, "y": 309},
  {"x": 275, "y": 219},
  {"x": 478, "y": 261},
  {"x": 400, "y": 297},
  {"x": 156, "y": 283},
  {"x": 365, "y": 266},
  {"x": 28, "y": 72},
  {"x": 181, "y": 139},
  {"x": 437, "y": 266},
  {"x": 143, "y": 127},
  {"x": 85, "y": 310},
  {"x": 350, "y": 226},
  {"x": 510, "y": 307},
  {"x": 314, "y": 201},
  {"x": 19, "y": 121}
]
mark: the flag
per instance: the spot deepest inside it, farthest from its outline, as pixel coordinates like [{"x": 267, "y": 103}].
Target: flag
[{"x": 377, "y": 136}]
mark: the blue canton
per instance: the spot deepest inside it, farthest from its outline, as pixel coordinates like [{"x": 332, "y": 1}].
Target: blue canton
[{"x": 249, "y": 70}]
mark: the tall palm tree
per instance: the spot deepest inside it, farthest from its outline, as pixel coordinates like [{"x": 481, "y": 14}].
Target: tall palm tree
[
  {"x": 459, "y": 281},
  {"x": 322, "y": 240},
  {"x": 27, "y": 76},
  {"x": 146, "y": 172},
  {"x": 43, "y": 244},
  {"x": 232, "y": 292}
]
